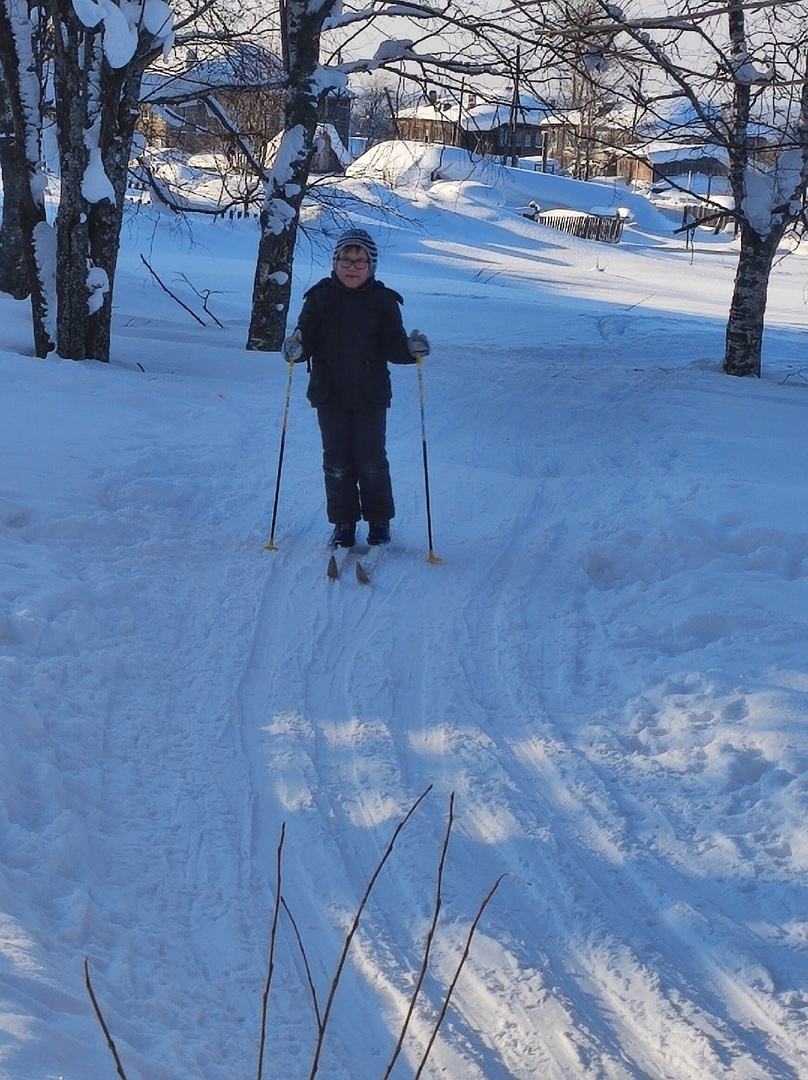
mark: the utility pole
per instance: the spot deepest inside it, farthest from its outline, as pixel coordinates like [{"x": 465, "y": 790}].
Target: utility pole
[{"x": 515, "y": 107}]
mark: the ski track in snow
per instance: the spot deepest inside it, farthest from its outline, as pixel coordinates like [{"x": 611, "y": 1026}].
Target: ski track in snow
[
  {"x": 183, "y": 693},
  {"x": 361, "y": 728}
]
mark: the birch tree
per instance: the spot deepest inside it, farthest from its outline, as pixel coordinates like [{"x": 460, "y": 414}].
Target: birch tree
[
  {"x": 310, "y": 75},
  {"x": 301, "y": 27},
  {"x": 22, "y": 72},
  {"x": 100, "y": 51},
  {"x": 741, "y": 68},
  {"x": 769, "y": 197},
  {"x": 13, "y": 259}
]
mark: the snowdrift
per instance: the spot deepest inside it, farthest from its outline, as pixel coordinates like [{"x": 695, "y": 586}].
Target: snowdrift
[{"x": 425, "y": 165}]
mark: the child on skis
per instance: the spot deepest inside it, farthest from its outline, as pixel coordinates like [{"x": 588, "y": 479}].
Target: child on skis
[{"x": 349, "y": 328}]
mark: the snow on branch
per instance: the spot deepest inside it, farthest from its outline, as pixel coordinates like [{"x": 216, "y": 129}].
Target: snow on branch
[
  {"x": 745, "y": 71},
  {"x": 775, "y": 193},
  {"x": 459, "y": 67},
  {"x": 613, "y": 15},
  {"x": 122, "y": 26},
  {"x": 218, "y": 112},
  {"x": 394, "y": 50},
  {"x": 409, "y": 11},
  {"x": 95, "y": 185},
  {"x": 326, "y": 78}
]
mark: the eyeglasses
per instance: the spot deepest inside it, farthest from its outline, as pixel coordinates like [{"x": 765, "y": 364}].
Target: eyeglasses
[{"x": 357, "y": 264}]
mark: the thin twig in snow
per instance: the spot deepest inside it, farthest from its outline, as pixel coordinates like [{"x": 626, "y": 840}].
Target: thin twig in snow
[
  {"x": 204, "y": 296},
  {"x": 352, "y": 932},
  {"x": 165, "y": 288},
  {"x": 271, "y": 962},
  {"x": 456, "y": 976},
  {"x": 428, "y": 944},
  {"x": 110, "y": 1043},
  {"x": 306, "y": 965},
  {"x": 794, "y": 375}
]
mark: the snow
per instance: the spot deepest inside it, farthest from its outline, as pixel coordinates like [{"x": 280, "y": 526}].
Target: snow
[
  {"x": 608, "y": 669},
  {"x": 122, "y": 23},
  {"x": 96, "y": 185},
  {"x": 120, "y": 33},
  {"x": 393, "y": 50},
  {"x": 768, "y": 192},
  {"x": 660, "y": 152},
  {"x": 89, "y": 12},
  {"x": 277, "y": 212},
  {"x": 45, "y": 252},
  {"x": 442, "y": 168},
  {"x": 487, "y": 117},
  {"x": 98, "y": 285}
]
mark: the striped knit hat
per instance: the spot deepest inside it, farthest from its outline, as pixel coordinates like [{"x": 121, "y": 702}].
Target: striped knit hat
[{"x": 361, "y": 239}]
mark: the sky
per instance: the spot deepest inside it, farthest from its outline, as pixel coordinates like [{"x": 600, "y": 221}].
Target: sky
[{"x": 604, "y": 678}]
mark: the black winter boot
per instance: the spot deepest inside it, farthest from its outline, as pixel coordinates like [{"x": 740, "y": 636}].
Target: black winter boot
[
  {"x": 344, "y": 535},
  {"x": 378, "y": 533}
]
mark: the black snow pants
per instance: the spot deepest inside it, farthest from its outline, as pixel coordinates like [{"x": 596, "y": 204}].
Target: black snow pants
[{"x": 355, "y": 466}]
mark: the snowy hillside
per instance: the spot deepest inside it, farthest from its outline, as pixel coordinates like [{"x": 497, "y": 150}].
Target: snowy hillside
[
  {"x": 422, "y": 165},
  {"x": 608, "y": 670}
]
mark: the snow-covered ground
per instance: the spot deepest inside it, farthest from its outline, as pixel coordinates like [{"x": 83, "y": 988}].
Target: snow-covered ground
[{"x": 608, "y": 670}]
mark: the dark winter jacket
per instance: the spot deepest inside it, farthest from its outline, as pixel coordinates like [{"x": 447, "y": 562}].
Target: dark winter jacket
[{"x": 350, "y": 335}]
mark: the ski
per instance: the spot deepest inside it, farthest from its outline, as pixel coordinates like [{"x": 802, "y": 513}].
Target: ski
[
  {"x": 362, "y": 576},
  {"x": 366, "y": 561},
  {"x": 335, "y": 563},
  {"x": 365, "y": 567}
]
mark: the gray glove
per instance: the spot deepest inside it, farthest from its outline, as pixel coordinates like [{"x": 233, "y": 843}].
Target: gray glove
[
  {"x": 417, "y": 343},
  {"x": 292, "y": 348}
]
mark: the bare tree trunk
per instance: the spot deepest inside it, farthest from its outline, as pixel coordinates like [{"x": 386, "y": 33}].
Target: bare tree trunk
[
  {"x": 286, "y": 183},
  {"x": 13, "y": 260},
  {"x": 21, "y": 75},
  {"x": 96, "y": 110},
  {"x": 75, "y": 81},
  {"x": 744, "y": 337},
  {"x": 120, "y": 93}
]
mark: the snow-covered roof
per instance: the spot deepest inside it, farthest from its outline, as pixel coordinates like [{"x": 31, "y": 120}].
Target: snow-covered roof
[
  {"x": 660, "y": 151},
  {"x": 498, "y": 114},
  {"x": 433, "y": 113},
  {"x": 483, "y": 117},
  {"x": 242, "y": 66}
]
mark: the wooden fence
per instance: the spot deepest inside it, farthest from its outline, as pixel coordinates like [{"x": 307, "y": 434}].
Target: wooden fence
[
  {"x": 586, "y": 226},
  {"x": 695, "y": 214}
]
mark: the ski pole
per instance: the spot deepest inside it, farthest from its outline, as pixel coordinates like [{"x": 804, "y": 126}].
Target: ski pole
[
  {"x": 270, "y": 544},
  {"x": 431, "y": 557}
]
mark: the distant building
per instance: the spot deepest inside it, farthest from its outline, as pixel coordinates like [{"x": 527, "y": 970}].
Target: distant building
[
  {"x": 245, "y": 82},
  {"x": 197, "y": 106},
  {"x": 335, "y": 109},
  {"x": 659, "y": 161},
  {"x": 433, "y": 121},
  {"x": 529, "y": 129}
]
